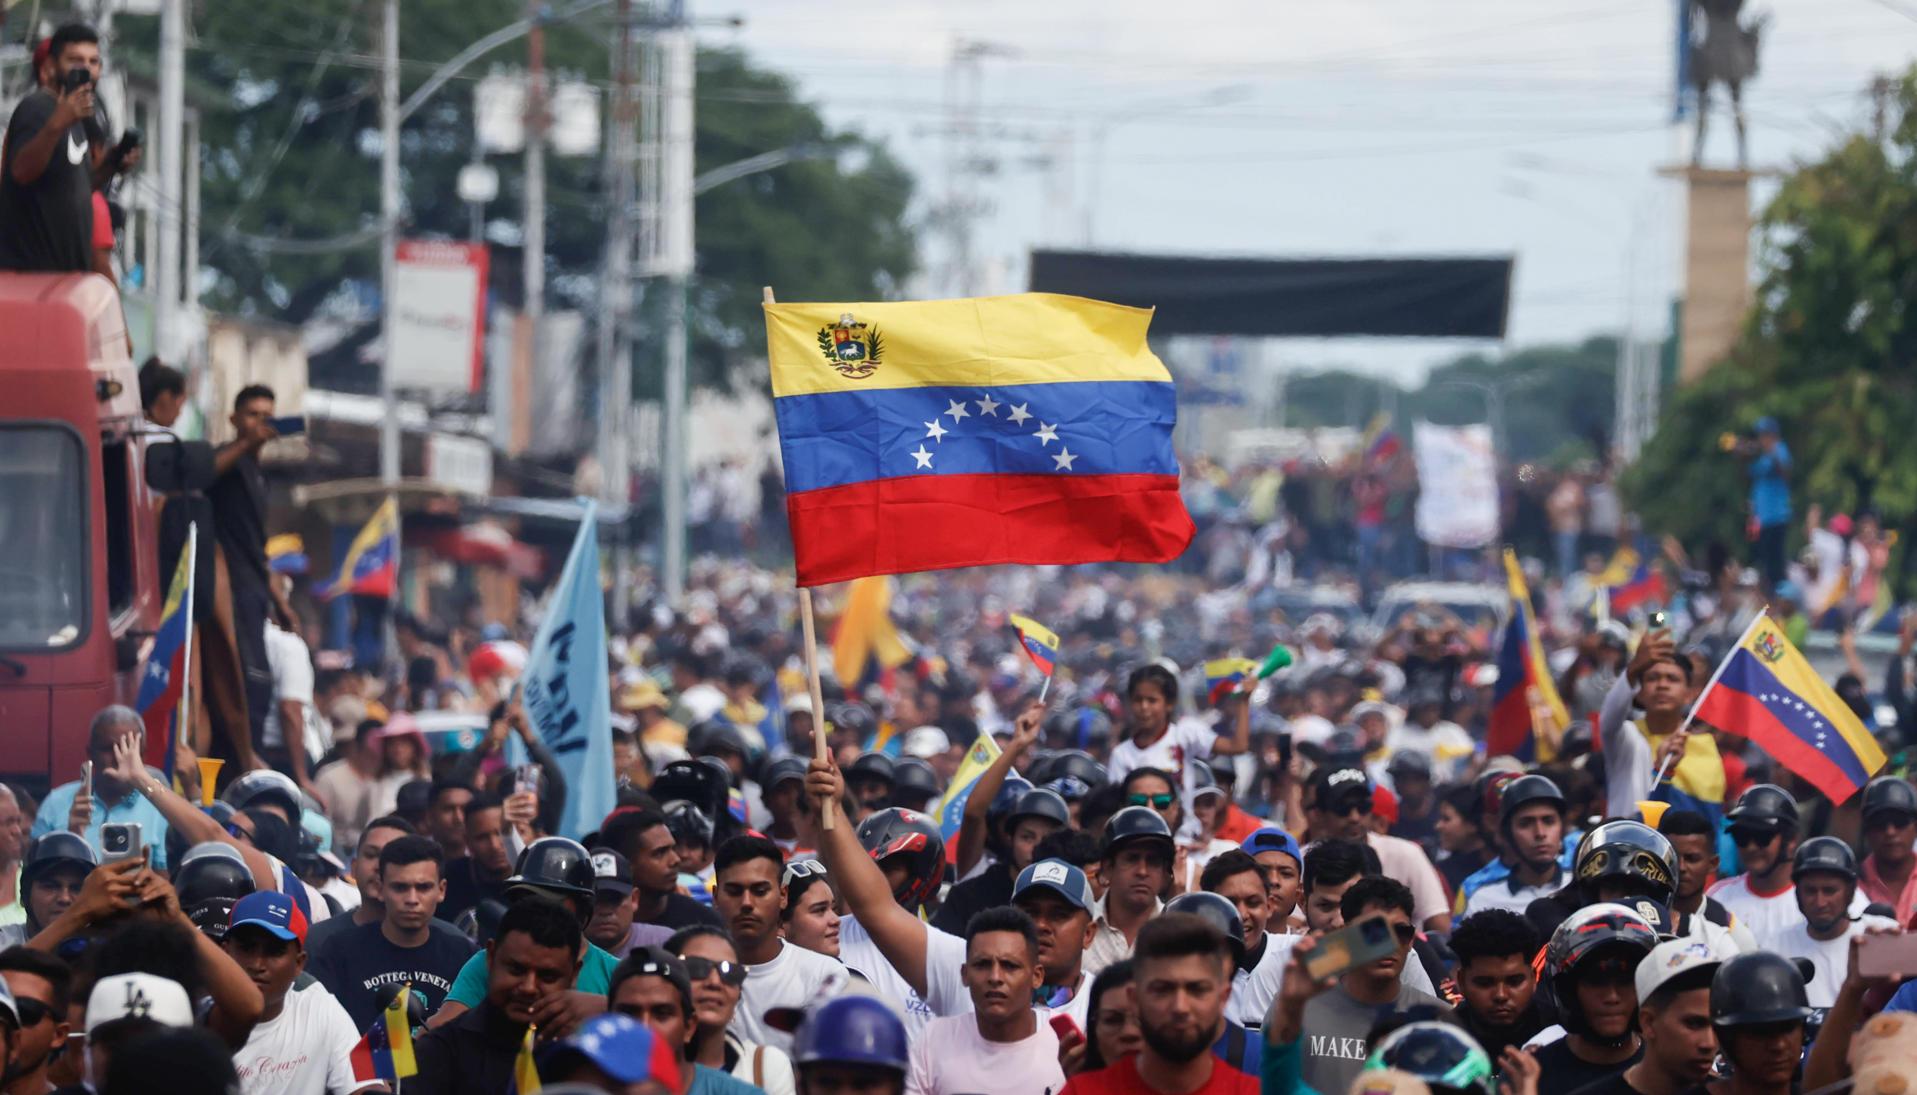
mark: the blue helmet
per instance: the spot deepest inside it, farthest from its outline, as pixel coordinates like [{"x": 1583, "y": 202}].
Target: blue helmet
[{"x": 851, "y": 1030}]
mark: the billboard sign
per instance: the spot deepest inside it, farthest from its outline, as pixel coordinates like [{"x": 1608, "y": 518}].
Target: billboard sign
[{"x": 439, "y": 315}]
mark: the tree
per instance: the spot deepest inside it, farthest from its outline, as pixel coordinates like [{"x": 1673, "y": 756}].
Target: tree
[
  {"x": 1829, "y": 349},
  {"x": 287, "y": 93}
]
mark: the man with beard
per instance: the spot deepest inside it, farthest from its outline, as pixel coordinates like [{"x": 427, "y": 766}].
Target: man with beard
[
  {"x": 1498, "y": 990},
  {"x": 1824, "y": 877},
  {"x": 1059, "y": 900},
  {"x": 1674, "y": 1021},
  {"x": 1531, "y": 821},
  {"x": 1759, "y": 1009},
  {"x": 41, "y": 985},
  {"x": 1001, "y": 1046},
  {"x": 1338, "y": 1022},
  {"x": 1182, "y": 978},
  {"x": 1889, "y": 874},
  {"x": 1590, "y": 972},
  {"x": 747, "y": 894}
]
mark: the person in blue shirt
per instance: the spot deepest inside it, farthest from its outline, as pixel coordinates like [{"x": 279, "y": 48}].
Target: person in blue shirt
[
  {"x": 653, "y": 986},
  {"x": 109, "y": 798},
  {"x": 1770, "y": 469}
]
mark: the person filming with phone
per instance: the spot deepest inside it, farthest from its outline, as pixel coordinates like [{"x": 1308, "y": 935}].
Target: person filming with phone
[{"x": 46, "y": 189}]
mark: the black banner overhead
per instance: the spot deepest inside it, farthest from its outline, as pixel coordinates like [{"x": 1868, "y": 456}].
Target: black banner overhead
[{"x": 1292, "y": 298}]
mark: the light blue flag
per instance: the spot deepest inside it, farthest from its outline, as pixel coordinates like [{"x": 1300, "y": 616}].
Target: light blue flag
[{"x": 565, "y": 691}]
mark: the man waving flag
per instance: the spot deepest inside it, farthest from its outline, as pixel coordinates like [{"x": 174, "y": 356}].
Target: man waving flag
[{"x": 952, "y": 433}]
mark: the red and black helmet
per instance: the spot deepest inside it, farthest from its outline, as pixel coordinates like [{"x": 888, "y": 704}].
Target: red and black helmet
[{"x": 914, "y": 837}]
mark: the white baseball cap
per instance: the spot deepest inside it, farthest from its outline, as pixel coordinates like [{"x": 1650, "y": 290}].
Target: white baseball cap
[
  {"x": 925, "y": 742},
  {"x": 138, "y": 996},
  {"x": 1672, "y": 958}
]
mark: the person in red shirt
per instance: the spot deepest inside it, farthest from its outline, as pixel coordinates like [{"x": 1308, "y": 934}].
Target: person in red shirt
[
  {"x": 1183, "y": 968},
  {"x": 1890, "y": 825}
]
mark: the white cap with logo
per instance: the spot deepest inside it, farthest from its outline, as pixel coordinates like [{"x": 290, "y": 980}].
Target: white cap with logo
[
  {"x": 138, "y": 996},
  {"x": 1672, "y": 958}
]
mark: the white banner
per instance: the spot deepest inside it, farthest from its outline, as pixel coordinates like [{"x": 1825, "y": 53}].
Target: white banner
[
  {"x": 439, "y": 311},
  {"x": 1457, "y": 485}
]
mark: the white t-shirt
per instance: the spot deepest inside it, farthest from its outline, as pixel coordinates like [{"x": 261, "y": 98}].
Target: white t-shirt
[
  {"x": 292, "y": 666},
  {"x": 945, "y": 992},
  {"x": 1079, "y": 1007},
  {"x": 951, "y": 1058},
  {"x": 763, "y": 1067},
  {"x": 1768, "y": 917},
  {"x": 1831, "y": 958},
  {"x": 1500, "y": 895},
  {"x": 306, "y": 1050},
  {"x": 1253, "y": 990},
  {"x": 788, "y": 981},
  {"x": 1197, "y": 857},
  {"x": 1186, "y": 739}
]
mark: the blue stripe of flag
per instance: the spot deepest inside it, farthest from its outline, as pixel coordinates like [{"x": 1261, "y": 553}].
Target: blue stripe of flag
[
  {"x": 1804, "y": 722},
  {"x": 1109, "y": 427}
]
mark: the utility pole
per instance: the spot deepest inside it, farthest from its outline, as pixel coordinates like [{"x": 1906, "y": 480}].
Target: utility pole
[
  {"x": 388, "y": 239},
  {"x": 676, "y": 245},
  {"x": 534, "y": 241},
  {"x": 171, "y": 140},
  {"x": 615, "y": 292}
]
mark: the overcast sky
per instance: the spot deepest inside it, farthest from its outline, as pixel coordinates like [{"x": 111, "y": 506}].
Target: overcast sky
[{"x": 1329, "y": 127}]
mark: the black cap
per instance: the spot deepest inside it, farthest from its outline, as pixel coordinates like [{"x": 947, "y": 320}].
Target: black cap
[
  {"x": 870, "y": 766},
  {"x": 1765, "y": 806},
  {"x": 783, "y": 769},
  {"x": 611, "y": 873},
  {"x": 1886, "y": 794},
  {"x": 1335, "y": 784},
  {"x": 1759, "y": 989}
]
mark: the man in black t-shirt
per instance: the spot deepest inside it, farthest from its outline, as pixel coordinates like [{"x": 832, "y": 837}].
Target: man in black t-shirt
[
  {"x": 1590, "y": 972},
  {"x": 46, "y": 190},
  {"x": 1674, "y": 1020},
  {"x": 482, "y": 872},
  {"x": 642, "y": 836},
  {"x": 405, "y": 947},
  {"x": 239, "y": 524}
]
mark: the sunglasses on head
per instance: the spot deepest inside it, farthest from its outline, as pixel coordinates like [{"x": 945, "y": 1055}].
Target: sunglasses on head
[
  {"x": 801, "y": 868},
  {"x": 1156, "y": 802},
  {"x": 730, "y": 973}
]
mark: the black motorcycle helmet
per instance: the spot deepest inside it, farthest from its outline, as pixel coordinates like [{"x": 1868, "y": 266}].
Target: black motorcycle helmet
[
  {"x": 176, "y": 844},
  {"x": 872, "y": 766},
  {"x": 211, "y": 879},
  {"x": 1758, "y": 989},
  {"x": 1595, "y": 936},
  {"x": 265, "y": 787},
  {"x": 914, "y": 783},
  {"x": 1525, "y": 790},
  {"x": 481, "y": 922},
  {"x": 1216, "y": 910},
  {"x": 1133, "y": 825},
  {"x": 1040, "y": 803},
  {"x": 1824, "y": 853},
  {"x": 689, "y": 825},
  {"x": 855, "y": 719},
  {"x": 558, "y": 866},
  {"x": 1625, "y": 850},
  {"x": 1767, "y": 807},
  {"x": 1074, "y": 764},
  {"x": 1888, "y": 794},
  {"x": 894, "y": 834},
  {"x": 1083, "y": 727}
]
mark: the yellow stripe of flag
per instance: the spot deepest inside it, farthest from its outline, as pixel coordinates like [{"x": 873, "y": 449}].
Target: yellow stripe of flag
[
  {"x": 399, "y": 1036},
  {"x": 1031, "y": 338},
  {"x": 525, "y": 1072},
  {"x": 1784, "y": 662},
  {"x": 1034, "y": 630}
]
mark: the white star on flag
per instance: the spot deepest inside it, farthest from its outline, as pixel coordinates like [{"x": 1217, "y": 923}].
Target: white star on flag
[
  {"x": 1046, "y": 433},
  {"x": 935, "y": 431},
  {"x": 988, "y": 405},
  {"x": 924, "y": 458},
  {"x": 1019, "y": 414},
  {"x": 957, "y": 410},
  {"x": 1064, "y": 458}
]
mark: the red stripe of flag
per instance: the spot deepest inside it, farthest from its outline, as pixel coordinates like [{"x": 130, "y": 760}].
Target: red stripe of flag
[{"x": 914, "y": 523}]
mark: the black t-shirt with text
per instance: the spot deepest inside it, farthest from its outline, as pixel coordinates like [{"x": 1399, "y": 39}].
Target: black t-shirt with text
[
  {"x": 47, "y": 225},
  {"x": 355, "y": 966},
  {"x": 1561, "y": 1072}
]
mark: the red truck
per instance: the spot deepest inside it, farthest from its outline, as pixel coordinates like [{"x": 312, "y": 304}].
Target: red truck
[{"x": 80, "y": 592}]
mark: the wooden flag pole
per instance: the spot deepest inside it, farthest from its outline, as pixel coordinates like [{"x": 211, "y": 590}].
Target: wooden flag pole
[{"x": 827, "y": 815}]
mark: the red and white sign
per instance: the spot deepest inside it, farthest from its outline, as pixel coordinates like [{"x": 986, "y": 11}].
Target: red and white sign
[{"x": 439, "y": 315}]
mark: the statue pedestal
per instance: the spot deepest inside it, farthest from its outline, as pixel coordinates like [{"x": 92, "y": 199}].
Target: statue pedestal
[{"x": 1717, "y": 258}]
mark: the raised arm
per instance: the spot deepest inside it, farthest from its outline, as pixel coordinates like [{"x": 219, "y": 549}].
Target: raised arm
[
  {"x": 190, "y": 820},
  {"x": 237, "y": 1002},
  {"x": 972, "y": 827},
  {"x": 1239, "y": 740},
  {"x": 30, "y": 158},
  {"x": 900, "y": 935}
]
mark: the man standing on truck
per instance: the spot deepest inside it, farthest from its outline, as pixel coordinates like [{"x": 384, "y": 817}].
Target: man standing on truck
[
  {"x": 239, "y": 525},
  {"x": 46, "y": 189}
]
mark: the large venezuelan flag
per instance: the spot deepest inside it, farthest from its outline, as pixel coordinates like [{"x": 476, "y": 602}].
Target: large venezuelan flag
[
  {"x": 371, "y": 564},
  {"x": 1527, "y": 716},
  {"x": 163, "y": 680},
  {"x": 1022, "y": 429},
  {"x": 1766, "y": 692}
]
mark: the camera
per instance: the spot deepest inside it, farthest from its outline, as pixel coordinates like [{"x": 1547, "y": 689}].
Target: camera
[
  {"x": 120, "y": 840},
  {"x": 76, "y": 78}
]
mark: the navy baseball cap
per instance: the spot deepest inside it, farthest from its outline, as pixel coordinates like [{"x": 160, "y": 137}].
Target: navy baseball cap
[
  {"x": 1061, "y": 878},
  {"x": 1272, "y": 839},
  {"x": 273, "y": 911}
]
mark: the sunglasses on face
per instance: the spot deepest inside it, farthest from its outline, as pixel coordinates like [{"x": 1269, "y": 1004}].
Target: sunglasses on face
[
  {"x": 730, "y": 973},
  {"x": 1888, "y": 821},
  {"x": 32, "y": 1012},
  {"x": 1405, "y": 932},
  {"x": 1156, "y": 802},
  {"x": 1751, "y": 838}
]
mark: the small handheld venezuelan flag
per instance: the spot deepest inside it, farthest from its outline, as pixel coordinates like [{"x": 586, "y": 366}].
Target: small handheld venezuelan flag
[
  {"x": 1223, "y": 676},
  {"x": 525, "y": 1072},
  {"x": 1041, "y": 645},
  {"x": 385, "y": 1051}
]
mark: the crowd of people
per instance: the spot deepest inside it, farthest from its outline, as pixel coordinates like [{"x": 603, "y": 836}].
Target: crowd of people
[{"x": 1153, "y": 885}]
